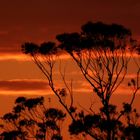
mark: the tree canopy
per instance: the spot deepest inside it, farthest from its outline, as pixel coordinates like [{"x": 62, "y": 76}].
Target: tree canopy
[{"x": 103, "y": 53}]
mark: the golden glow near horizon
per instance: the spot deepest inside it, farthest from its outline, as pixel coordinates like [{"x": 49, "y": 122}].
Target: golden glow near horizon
[{"x": 39, "y": 86}]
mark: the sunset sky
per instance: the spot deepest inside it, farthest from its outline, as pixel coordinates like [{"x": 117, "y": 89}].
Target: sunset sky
[{"x": 41, "y": 20}]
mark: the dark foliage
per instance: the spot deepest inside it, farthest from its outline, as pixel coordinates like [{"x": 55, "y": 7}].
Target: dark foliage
[
  {"x": 31, "y": 119},
  {"x": 29, "y": 48},
  {"x": 47, "y": 48}
]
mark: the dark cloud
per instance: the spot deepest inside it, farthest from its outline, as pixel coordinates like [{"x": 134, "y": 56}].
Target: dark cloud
[{"x": 23, "y": 85}]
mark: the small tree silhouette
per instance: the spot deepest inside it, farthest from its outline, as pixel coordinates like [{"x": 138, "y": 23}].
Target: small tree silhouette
[
  {"x": 102, "y": 52},
  {"x": 30, "y": 119}
]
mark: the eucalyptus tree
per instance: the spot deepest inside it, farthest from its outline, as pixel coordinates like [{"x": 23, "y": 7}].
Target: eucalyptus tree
[
  {"x": 30, "y": 119},
  {"x": 102, "y": 52}
]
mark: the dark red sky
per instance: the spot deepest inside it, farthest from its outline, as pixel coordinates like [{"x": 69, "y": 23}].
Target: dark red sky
[{"x": 38, "y": 20}]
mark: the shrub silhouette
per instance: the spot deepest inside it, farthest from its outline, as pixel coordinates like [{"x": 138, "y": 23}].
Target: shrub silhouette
[{"x": 30, "y": 119}]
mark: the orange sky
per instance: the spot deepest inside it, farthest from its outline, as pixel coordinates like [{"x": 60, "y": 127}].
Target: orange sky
[{"x": 41, "y": 20}]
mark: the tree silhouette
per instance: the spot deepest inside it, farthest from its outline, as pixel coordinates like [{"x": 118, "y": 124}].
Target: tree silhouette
[
  {"x": 103, "y": 53},
  {"x": 30, "y": 119}
]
